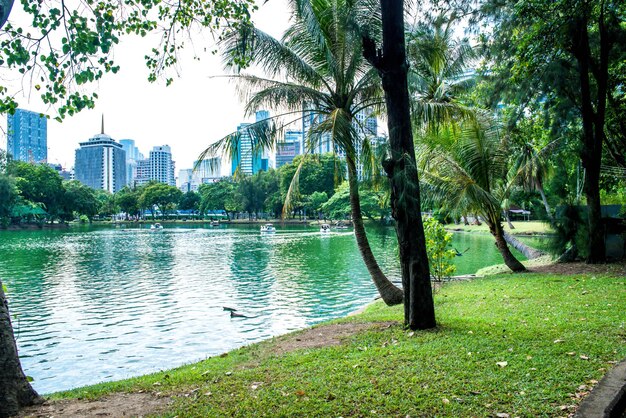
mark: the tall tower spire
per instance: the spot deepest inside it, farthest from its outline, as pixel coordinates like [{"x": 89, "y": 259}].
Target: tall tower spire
[{"x": 102, "y": 131}]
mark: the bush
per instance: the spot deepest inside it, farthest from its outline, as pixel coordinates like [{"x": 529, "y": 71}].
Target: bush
[
  {"x": 571, "y": 232},
  {"x": 442, "y": 216},
  {"x": 440, "y": 256}
]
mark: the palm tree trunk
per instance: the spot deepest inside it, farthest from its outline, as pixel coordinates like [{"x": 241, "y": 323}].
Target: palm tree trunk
[
  {"x": 509, "y": 259},
  {"x": 545, "y": 203},
  {"x": 528, "y": 251},
  {"x": 390, "y": 294},
  {"x": 15, "y": 391},
  {"x": 508, "y": 219}
]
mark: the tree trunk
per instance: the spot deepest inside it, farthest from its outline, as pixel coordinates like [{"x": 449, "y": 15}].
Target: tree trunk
[
  {"x": 545, "y": 203},
  {"x": 596, "y": 251},
  {"x": 509, "y": 259},
  {"x": 390, "y": 294},
  {"x": 528, "y": 251},
  {"x": 15, "y": 391},
  {"x": 391, "y": 63},
  {"x": 508, "y": 219},
  {"x": 593, "y": 126}
]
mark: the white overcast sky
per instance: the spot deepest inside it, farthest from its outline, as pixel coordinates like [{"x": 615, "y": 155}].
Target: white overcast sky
[{"x": 196, "y": 110}]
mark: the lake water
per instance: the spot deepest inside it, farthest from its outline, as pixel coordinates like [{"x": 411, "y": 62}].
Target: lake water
[{"x": 98, "y": 304}]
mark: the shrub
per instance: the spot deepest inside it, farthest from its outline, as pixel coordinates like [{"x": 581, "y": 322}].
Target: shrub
[
  {"x": 440, "y": 256},
  {"x": 571, "y": 232}
]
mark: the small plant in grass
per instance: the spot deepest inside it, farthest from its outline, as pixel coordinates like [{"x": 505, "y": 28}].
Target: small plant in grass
[{"x": 440, "y": 255}]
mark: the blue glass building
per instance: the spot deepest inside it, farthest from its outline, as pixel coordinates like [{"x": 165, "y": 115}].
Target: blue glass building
[
  {"x": 27, "y": 136},
  {"x": 245, "y": 159},
  {"x": 101, "y": 163}
]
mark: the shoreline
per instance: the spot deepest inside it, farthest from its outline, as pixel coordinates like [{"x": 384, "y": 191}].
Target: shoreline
[{"x": 35, "y": 227}]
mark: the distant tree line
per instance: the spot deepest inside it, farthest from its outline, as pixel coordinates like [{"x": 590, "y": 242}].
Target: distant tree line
[{"x": 36, "y": 193}]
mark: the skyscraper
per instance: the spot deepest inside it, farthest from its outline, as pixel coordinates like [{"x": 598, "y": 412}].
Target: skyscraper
[
  {"x": 243, "y": 160},
  {"x": 323, "y": 143},
  {"x": 185, "y": 181},
  {"x": 27, "y": 136},
  {"x": 208, "y": 169},
  {"x": 132, "y": 156},
  {"x": 142, "y": 175},
  {"x": 262, "y": 115},
  {"x": 287, "y": 150},
  {"x": 365, "y": 125},
  {"x": 161, "y": 165},
  {"x": 101, "y": 163},
  {"x": 158, "y": 167}
]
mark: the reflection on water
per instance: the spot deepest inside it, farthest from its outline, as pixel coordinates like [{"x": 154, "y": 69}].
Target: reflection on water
[{"x": 105, "y": 304}]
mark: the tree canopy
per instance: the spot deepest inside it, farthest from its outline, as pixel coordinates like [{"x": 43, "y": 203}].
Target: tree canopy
[{"x": 60, "y": 48}]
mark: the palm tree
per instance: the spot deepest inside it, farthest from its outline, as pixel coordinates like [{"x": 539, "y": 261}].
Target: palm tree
[
  {"x": 317, "y": 66},
  {"x": 467, "y": 168},
  {"x": 439, "y": 76},
  {"x": 531, "y": 167},
  {"x": 439, "y": 73}
]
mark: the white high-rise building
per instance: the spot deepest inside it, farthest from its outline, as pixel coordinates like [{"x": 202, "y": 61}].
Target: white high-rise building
[
  {"x": 158, "y": 167},
  {"x": 161, "y": 165}
]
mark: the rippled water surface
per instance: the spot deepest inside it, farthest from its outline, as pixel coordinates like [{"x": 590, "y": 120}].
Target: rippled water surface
[{"x": 105, "y": 304}]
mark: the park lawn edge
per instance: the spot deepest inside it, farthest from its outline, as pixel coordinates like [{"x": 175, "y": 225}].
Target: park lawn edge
[
  {"x": 521, "y": 228},
  {"x": 523, "y": 345}
]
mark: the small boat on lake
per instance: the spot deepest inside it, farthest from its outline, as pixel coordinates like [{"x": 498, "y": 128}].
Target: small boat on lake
[
  {"x": 325, "y": 229},
  {"x": 215, "y": 223},
  {"x": 340, "y": 225},
  {"x": 268, "y": 228},
  {"x": 156, "y": 227}
]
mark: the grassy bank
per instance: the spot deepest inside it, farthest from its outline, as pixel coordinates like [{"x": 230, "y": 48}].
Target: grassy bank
[
  {"x": 521, "y": 228},
  {"x": 523, "y": 345}
]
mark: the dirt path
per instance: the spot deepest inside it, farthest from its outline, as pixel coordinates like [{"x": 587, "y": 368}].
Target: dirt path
[
  {"x": 115, "y": 405},
  {"x": 141, "y": 404},
  {"x": 614, "y": 269}
]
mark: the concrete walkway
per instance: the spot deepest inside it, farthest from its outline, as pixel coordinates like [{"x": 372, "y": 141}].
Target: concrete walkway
[{"x": 608, "y": 398}]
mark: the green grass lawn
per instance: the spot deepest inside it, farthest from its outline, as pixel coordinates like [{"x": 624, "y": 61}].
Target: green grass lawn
[
  {"x": 524, "y": 345},
  {"x": 521, "y": 227}
]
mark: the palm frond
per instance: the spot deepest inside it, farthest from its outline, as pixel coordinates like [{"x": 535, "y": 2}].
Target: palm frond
[
  {"x": 260, "y": 93},
  {"x": 467, "y": 168},
  {"x": 274, "y": 57}
]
